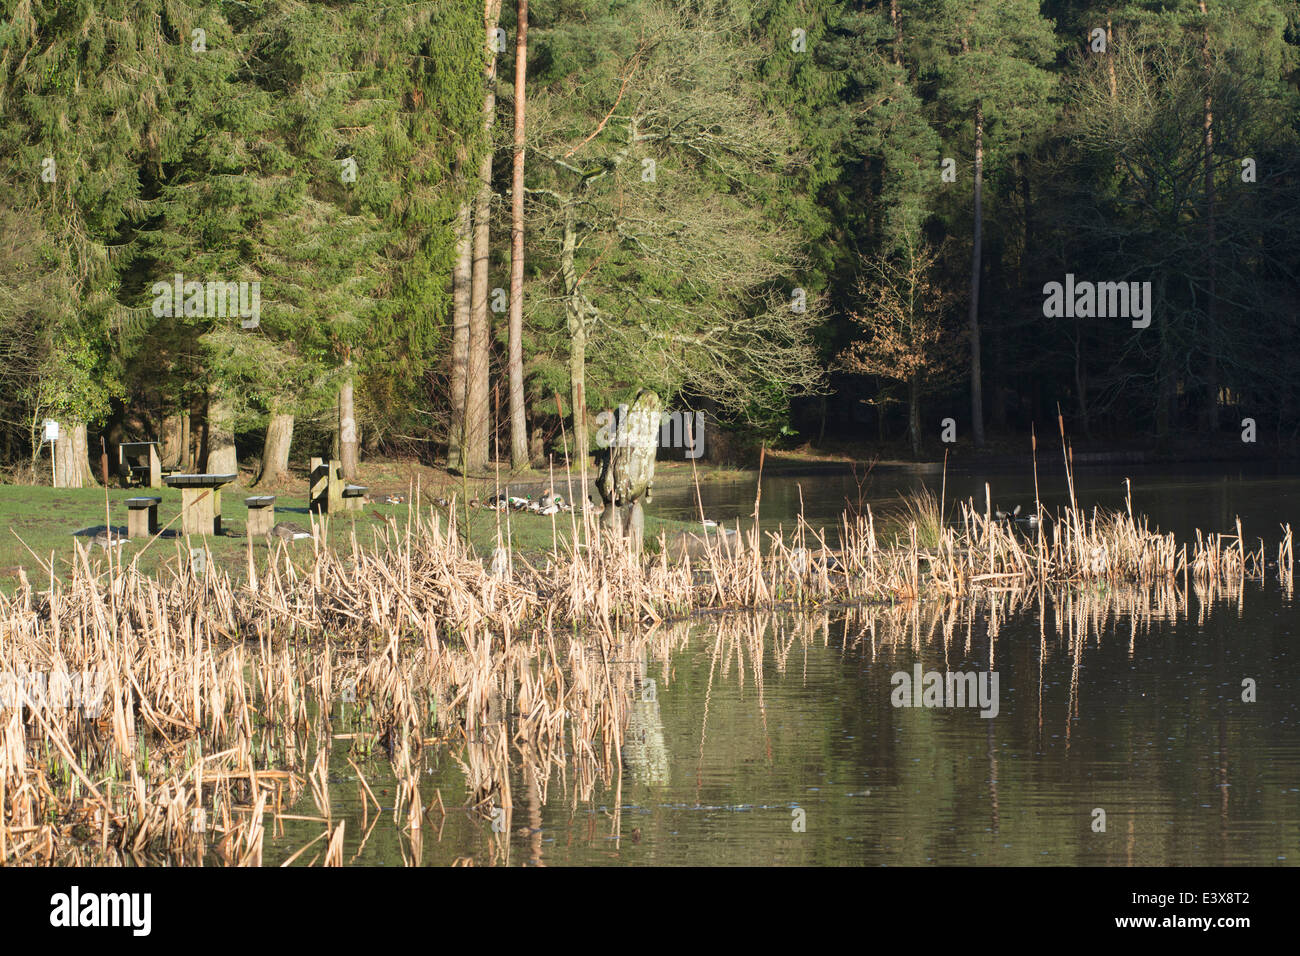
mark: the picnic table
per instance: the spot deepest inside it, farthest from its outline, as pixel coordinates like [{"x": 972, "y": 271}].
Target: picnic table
[
  {"x": 200, "y": 501},
  {"x": 139, "y": 460}
]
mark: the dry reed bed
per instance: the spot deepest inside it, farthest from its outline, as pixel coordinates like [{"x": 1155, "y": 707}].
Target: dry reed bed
[
  {"x": 423, "y": 581},
  {"x": 182, "y": 736},
  {"x": 212, "y": 701}
]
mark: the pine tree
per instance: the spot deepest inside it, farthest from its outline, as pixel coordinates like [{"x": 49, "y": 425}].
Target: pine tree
[
  {"x": 989, "y": 60},
  {"x": 83, "y": 97}
]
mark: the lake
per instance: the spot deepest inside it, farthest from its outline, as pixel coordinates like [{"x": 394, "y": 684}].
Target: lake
[{"x": 1121, "y": 736}]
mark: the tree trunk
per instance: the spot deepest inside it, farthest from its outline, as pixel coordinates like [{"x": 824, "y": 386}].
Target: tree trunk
[
  {"x": 914, "y": 415},
  {"x": 1210, "y": 412},
  {"x": 348, "y": 447},
  {"x": 200, "y": 438},
  {"x": 1166, "y": 402},
  {"x": 518, "y": 422},
  {"x": 575, "y": 314},
  {"x": 222, "y": 459},
  {"x": 997, "y": 392},
  {"x": 72, "y": 458},
  {"x": 275, "y": 452},
  {"x": 976, "y": 383},
  {"x": 1110, "y": 61},
  {"x": 460, "y": 294},
  {"x": 174, "y": 439},
  {"x": 578, "y": 384},
  {"x": 898, "y": 33},
  {"x": 190, "y": 456},
  {"x": 1167, "y": 380},
  {"x": 477, "y": 424},
  {"x": 628, "y": 470},
  {"x": 1081, "y": 380}
]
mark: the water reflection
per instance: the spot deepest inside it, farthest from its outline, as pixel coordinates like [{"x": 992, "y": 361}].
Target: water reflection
[{"x": 759, "y": 739}]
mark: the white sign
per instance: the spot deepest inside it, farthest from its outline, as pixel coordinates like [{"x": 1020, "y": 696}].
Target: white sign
[{"x": 51, "y": 430}]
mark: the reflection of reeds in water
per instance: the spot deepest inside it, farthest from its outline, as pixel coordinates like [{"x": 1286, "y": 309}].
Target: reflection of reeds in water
[
  {"x": 213, "y": 717},
  {"x": 193, "y": 725}
]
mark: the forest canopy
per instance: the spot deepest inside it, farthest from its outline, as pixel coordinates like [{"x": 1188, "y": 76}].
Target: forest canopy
[{"x": 264, "y": 230}]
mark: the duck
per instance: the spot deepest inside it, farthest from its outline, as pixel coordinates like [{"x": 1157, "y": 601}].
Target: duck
[
  {"x": 1030, "y": 521},
  {"x": 394, "y": 499},
  {"x": 288, "y": 531},
  {"x": 551, "y": 503},
  {"x": 108, "y": 540},
  {"x": 1007, "y": 516},
  {"x": 474, "y": 503}
]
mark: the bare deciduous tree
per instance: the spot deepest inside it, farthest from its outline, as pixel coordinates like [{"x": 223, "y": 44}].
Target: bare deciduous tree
[
  {"x": 907, "y": 338},
  {"x": 670, "y": 274}
]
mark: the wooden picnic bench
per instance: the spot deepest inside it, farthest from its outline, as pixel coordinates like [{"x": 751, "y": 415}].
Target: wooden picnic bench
[
  {"x": 139, "y": 461},
  {"x": 326, "y": 489},
  {"x": 200, "y": 501},
  {"x": 329, "y": 493}
]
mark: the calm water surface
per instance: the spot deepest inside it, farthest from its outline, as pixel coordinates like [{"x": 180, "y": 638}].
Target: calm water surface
[{"x": 772, "y": 739}]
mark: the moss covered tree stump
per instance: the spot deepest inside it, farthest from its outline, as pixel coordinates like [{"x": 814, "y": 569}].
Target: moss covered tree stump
[{"x": 628, "y": 468}]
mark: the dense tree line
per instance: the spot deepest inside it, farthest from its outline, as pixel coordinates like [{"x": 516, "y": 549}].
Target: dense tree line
[{"x": 269, "y": 229}]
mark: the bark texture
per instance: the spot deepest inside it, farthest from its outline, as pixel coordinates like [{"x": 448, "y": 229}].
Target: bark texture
[
  {"x": 72, "y": 457},
  {"x": 518, "y": 421},
  {"x": 461, "y": 274},
  {"x": 222, "y": 459},
  {"x": 349, "y": 447},
  {"x": 275, "y": 453},
  {"x": 477, "y": 411}
]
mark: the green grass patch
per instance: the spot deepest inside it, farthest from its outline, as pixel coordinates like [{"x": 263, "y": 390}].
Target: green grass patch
[{"x": 44, "y": 520}]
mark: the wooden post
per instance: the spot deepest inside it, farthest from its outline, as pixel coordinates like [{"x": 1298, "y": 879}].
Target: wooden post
[
  {"x": 319, "y": 493},
  {"x": 261, "y": 515},
  {"x": 197, "y": 511},
  {"x": 155, "y": 467},
  {"x": 142, "y": 517},
  {"x": 335, "y": 486},
  {"x": 261, "y": 521}
]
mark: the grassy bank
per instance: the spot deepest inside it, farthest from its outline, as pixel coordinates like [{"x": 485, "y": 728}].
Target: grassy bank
[{"x": 38, "y": 528}]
